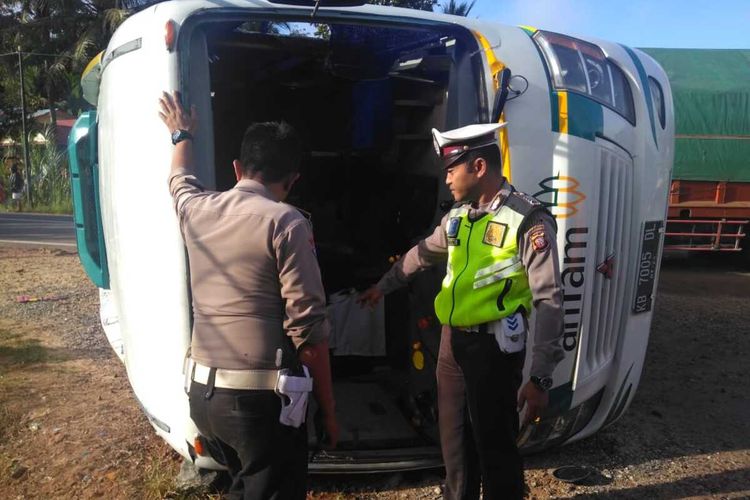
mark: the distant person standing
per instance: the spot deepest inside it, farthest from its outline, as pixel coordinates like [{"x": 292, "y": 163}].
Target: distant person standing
[{"x": 16, "y": 187}]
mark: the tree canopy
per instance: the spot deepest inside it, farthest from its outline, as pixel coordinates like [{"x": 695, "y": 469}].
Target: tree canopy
[
  {"x": 458, "y": 8},
  {"x": 409, "y": 4},
  {"x": 57, "y": 38}
]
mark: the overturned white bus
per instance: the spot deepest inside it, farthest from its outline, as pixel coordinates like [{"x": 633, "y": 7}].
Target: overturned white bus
[{"x": 590, "y": 134}]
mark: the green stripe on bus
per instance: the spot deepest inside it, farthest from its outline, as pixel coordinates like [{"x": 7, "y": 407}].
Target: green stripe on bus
[{"x": 585, "y": 117}]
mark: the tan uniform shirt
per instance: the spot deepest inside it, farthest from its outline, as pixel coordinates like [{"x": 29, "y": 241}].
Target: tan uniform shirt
[
  {"x": 542, "y": 269},
  {"x": 253, "y": 272}
]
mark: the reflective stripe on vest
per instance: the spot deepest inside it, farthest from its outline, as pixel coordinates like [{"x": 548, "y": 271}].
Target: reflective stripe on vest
[{"x": 485, "y": 279}]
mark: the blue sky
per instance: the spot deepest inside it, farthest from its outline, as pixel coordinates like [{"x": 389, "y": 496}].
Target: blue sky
[{"x": 638, "y": 23}]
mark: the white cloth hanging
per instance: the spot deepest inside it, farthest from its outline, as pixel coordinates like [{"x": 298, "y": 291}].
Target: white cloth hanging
[{"x": 355, "y": 330}]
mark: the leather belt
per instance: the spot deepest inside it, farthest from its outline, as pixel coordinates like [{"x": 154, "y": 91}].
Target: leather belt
[{"x": 256, "y": 380}]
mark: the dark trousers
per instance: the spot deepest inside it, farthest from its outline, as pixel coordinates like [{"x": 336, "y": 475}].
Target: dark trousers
[
  {"x": 477, "y": 399},
  {"x": 265, "y": 459}
]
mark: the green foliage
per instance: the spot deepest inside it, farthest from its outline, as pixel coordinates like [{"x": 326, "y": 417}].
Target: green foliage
[
  {"x": 10, "y": 124},
  {"x": 50, "y": 178},
  {"x": 458, "y": 8},
  {"x": 58, "y": 38},
  {"x": 10, "y": 98},
  {"x": 73, "y": 29},
  {"x": 409, "y": 4}
]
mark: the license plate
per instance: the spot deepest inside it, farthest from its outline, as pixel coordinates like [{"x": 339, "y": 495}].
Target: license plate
[{"x": 647, "y": 266}]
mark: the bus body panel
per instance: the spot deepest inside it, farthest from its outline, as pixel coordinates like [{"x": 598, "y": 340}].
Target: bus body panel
[
  {"x": 148, "y": 277},
  {"x": 576, "y": 177}
]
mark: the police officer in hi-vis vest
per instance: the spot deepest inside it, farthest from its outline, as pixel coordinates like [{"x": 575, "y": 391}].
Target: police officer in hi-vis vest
[{"x": 500, "y": 249}]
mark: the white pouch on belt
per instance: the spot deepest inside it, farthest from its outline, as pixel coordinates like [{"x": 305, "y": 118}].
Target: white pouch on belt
[
  {"x": 294, "y": 392},
  {"x": 510, "y": 333}
]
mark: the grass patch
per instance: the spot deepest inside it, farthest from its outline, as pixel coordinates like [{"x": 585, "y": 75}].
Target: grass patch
[
  {"x": 62, "y": 208},
  {"x": 53, "y": 208},
  {"x": 6, "y": 463},
  {"x": 6, "y": 335},
  {"x": 13, "y": 353},
  {"x": 159, "y": 482},
  {"x": 158, "y": 478},
  {"x": 8, "y": 422},
  {"x": 23, "y": 353}
]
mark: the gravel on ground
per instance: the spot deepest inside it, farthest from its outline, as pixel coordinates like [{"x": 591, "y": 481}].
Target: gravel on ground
[{"x": 71, "y": 428}]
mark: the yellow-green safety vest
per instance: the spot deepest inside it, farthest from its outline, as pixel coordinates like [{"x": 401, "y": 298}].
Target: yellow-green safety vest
[{"x": 485, "y": 278}]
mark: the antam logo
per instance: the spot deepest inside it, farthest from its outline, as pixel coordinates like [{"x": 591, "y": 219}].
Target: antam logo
[
  {"x": 560, "y": 194},
  {"x": 572, "y": 276}
]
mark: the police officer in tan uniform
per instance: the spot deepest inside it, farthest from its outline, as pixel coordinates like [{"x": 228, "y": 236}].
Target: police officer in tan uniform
[
  {"x": 499, "y": 247},
  {"x": 258, "y": 308}
]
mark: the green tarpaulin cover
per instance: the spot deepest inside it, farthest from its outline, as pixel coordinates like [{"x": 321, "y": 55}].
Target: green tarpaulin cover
[{"x": 711, "y": 91}]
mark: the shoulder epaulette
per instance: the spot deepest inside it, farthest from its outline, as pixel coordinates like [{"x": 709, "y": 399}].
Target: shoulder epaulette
[
  {"x": 527, "y": 205},
  {"x": 522, "y": 203}
]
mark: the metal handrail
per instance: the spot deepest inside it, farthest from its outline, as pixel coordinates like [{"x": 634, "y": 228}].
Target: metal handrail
[
  {"x": 706, "y": 221},
  {"x": 715, "y": 243},
  {"x": 737, "y": 235}
]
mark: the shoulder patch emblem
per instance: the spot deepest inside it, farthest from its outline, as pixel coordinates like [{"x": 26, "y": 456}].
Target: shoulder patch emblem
[
  {"x": 452, "y": 228},
  {"x": 495, "y": 234},
  {"x": 539, "y": 241}
]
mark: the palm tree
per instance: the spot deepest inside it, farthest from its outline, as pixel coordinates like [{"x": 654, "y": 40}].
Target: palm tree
[
  {"x": 458, "y": 8},
  {"x": 67, "y": 32},
  {"x": 76, "y": 29},
  {"x": 56, "y": 39}
]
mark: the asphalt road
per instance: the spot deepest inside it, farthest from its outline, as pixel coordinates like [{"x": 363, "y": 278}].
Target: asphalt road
[{"x": 37, "y": 230}]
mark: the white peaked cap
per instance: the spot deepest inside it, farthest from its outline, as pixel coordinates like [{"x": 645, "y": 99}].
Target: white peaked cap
[
  {"x": 451, "y": 145},
  {"x": 465, "y": 134}
]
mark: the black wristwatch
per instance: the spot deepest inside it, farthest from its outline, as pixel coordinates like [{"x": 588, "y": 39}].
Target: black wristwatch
[
  {"x": 543, "y": 383},
  {"x": 181, "y": 135}
]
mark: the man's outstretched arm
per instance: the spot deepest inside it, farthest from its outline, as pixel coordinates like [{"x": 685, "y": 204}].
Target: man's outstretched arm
[{"x": 429, "y": 252}]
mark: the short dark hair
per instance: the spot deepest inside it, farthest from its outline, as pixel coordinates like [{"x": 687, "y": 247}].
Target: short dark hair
[
  {"x": 272, "y": 148},
  {"x": 491, "y": 155}
]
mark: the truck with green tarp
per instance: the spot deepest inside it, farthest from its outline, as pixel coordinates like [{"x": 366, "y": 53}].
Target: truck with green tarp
[{"x": 709, "y": 202}]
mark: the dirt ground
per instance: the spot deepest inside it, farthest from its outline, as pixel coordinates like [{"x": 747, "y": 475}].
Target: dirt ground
[{"x": 70, "y": 428}]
